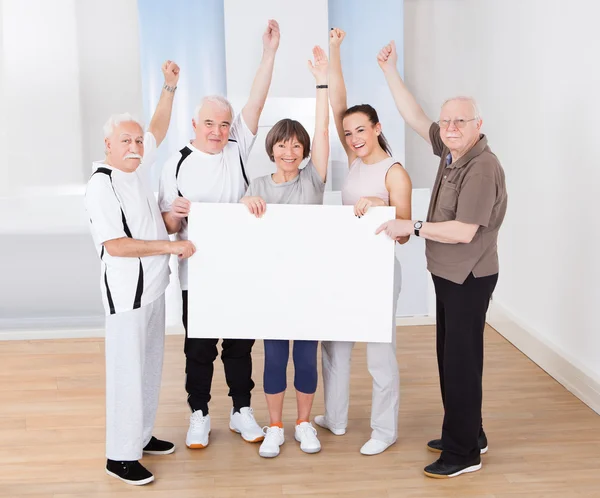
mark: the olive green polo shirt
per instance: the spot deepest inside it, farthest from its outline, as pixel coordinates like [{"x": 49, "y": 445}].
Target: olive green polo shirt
[{"x": 471, "y": 190}]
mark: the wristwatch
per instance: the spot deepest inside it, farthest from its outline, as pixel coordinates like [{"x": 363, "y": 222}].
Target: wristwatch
[{"x": 418, "y": 226}]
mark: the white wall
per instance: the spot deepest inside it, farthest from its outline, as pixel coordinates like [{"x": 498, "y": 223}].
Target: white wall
[
  {"x": 41, "y": 93},
  {"x": 62, "y": 74},
  {"x": 533, "y": 67}
]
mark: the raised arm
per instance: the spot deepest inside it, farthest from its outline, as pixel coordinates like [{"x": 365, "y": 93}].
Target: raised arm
[
  {"x": 262, "y": 81},
  {"x": 406, "y": 103},
  {"x": 162, "y": 115},
  {"x": 320, "y": 149},
  {"x": 337, "y": 88}
]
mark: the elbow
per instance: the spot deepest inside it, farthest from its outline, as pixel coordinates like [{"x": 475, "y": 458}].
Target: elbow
[
  {"x": 466, "y": 238},
  {"x": 403, "y": 240},
  {"x": 112, "y": 248}
]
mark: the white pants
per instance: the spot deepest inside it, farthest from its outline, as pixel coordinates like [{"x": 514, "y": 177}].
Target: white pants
[
  {"x": 383, "y": 367},
  {"x": 134, "y": 357}
]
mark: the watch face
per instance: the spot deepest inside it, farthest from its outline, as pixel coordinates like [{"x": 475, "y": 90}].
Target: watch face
[{"x": 418, "y": 225}]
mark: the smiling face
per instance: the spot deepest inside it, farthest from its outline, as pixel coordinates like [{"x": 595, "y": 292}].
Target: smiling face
[
  {"x": 287, "y": 144},
  {"x": 361, "y": 135},
  {"x": 211, "y": 128},
  {"x": 125, "y": 146},
  {"x": 288, "y": 155}
]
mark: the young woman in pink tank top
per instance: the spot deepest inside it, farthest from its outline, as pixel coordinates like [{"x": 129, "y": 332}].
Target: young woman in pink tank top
[{"x": 375, "y": 179}]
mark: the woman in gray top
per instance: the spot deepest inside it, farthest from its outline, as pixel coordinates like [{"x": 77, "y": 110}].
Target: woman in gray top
[{"x": 288, "y": 144}]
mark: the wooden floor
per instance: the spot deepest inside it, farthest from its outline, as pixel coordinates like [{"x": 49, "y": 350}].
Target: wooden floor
[{"x": 543, "y": 441}]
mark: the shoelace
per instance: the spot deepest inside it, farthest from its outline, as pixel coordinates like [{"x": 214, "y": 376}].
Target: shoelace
[
  {"x": 249, "y": 416},
  {"x": 270, "y": 432},
  {"x": 308, "y": 430},
  {"x": 197, "y": 421}
]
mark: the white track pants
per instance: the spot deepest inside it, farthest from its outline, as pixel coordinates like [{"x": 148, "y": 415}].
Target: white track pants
[
  {"x": 134, "y": 357},
  {"x": 383, "y": 367}
]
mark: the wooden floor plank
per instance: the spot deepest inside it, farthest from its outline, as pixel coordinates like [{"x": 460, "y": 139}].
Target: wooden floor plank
[{"x": 543, "y": 441}]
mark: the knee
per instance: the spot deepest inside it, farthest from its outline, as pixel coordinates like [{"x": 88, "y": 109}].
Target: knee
[
  {"x": 305, "y": 366},
  {"x": 305, "y": 377},
  {"x": 237, "y": 348},
  {"x": 200, "y": 350},
  {"x": 275, "y": 372},
  {"x": 338, "y": 354}
]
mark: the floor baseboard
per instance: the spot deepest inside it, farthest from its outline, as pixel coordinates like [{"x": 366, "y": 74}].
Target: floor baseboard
[{"x": 574, "y": 377}]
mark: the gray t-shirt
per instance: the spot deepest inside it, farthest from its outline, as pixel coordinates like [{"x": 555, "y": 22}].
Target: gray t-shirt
[{"x": 306, "y": 188}]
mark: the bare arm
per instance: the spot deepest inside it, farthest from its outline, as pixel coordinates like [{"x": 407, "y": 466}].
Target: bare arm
[
  {"x": 162, "y": 115},
  {"x": 446, "y": 232},
  {"x": 172, "y": 224},
  {"x": 126, "y": 247},
  {"x": 399, "y": 186},
  {"x": 449, "y": 232},
  {"x": 337, "y": 88},
  {"x": 320, "y": 149},
  {"x": 262, "y": 81},
  {"x": 406, "y": 103},
  {"x": 180, "y": 208}
]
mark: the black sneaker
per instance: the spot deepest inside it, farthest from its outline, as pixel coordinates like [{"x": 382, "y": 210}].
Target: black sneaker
[
  {"x": 130, "y": 472},
  {"x": 158, "y": 447},
  {"x": 435, "y": 445},
  {"x": 441, "y": 470}
]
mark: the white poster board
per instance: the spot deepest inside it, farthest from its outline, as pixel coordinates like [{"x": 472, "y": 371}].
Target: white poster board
[{"x": 299, "y": 272}]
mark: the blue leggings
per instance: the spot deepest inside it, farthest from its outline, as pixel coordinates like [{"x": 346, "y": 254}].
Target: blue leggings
[{"x": 277, "y": 353}]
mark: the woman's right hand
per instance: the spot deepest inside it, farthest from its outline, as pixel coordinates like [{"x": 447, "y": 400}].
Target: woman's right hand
[
  {"x": 364, "y": 203},
  {"x": 336, "y": 36},
  {"x": 255, "y": 204}
]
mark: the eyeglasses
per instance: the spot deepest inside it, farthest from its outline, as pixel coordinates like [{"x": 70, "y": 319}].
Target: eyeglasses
[{"x": 458, "y": 123}]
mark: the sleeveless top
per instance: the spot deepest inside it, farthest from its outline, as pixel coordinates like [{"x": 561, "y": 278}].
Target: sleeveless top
[{"x": 367, "y": 180}]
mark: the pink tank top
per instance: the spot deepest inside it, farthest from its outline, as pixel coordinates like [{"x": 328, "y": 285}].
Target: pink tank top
[{"x": 367, "y": 180}]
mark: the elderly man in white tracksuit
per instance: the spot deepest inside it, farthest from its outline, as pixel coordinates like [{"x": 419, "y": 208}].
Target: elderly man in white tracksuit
[{"x": 133, "y": 245}]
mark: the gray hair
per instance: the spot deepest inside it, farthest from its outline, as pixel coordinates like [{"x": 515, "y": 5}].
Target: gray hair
[
  {"x": 219, "y": 100},
  {"x": 116, "y": 119},
  {"x": 470, "y": 100}
]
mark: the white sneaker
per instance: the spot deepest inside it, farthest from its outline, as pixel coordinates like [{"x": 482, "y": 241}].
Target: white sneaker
[
  {"x": 321, "y": 421},
  {"x": 274, "y": 438},
  {"x": 374, "y": 447},
  {"x": 243, "y": 423},
  {"x": 306, "y": 435},
  {"x": 197, "y": 434}
]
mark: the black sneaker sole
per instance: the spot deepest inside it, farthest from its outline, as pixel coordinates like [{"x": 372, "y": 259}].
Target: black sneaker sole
[
  {"x": 466, "y": 470},
  {"x": 482, "y": 451},
  {"x": 134, "y": 483}
]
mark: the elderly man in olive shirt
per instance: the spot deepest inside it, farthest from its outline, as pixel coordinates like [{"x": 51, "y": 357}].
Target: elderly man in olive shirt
[{"x": 467, "y": 207}]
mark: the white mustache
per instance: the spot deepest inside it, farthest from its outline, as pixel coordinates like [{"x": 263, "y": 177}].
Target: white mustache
[{"x": 133, "y": 156}]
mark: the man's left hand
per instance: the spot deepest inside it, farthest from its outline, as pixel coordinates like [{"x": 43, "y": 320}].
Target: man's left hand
[
  {"x": 171, "y": 73},
  {"x": 396, "y": 229}
]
